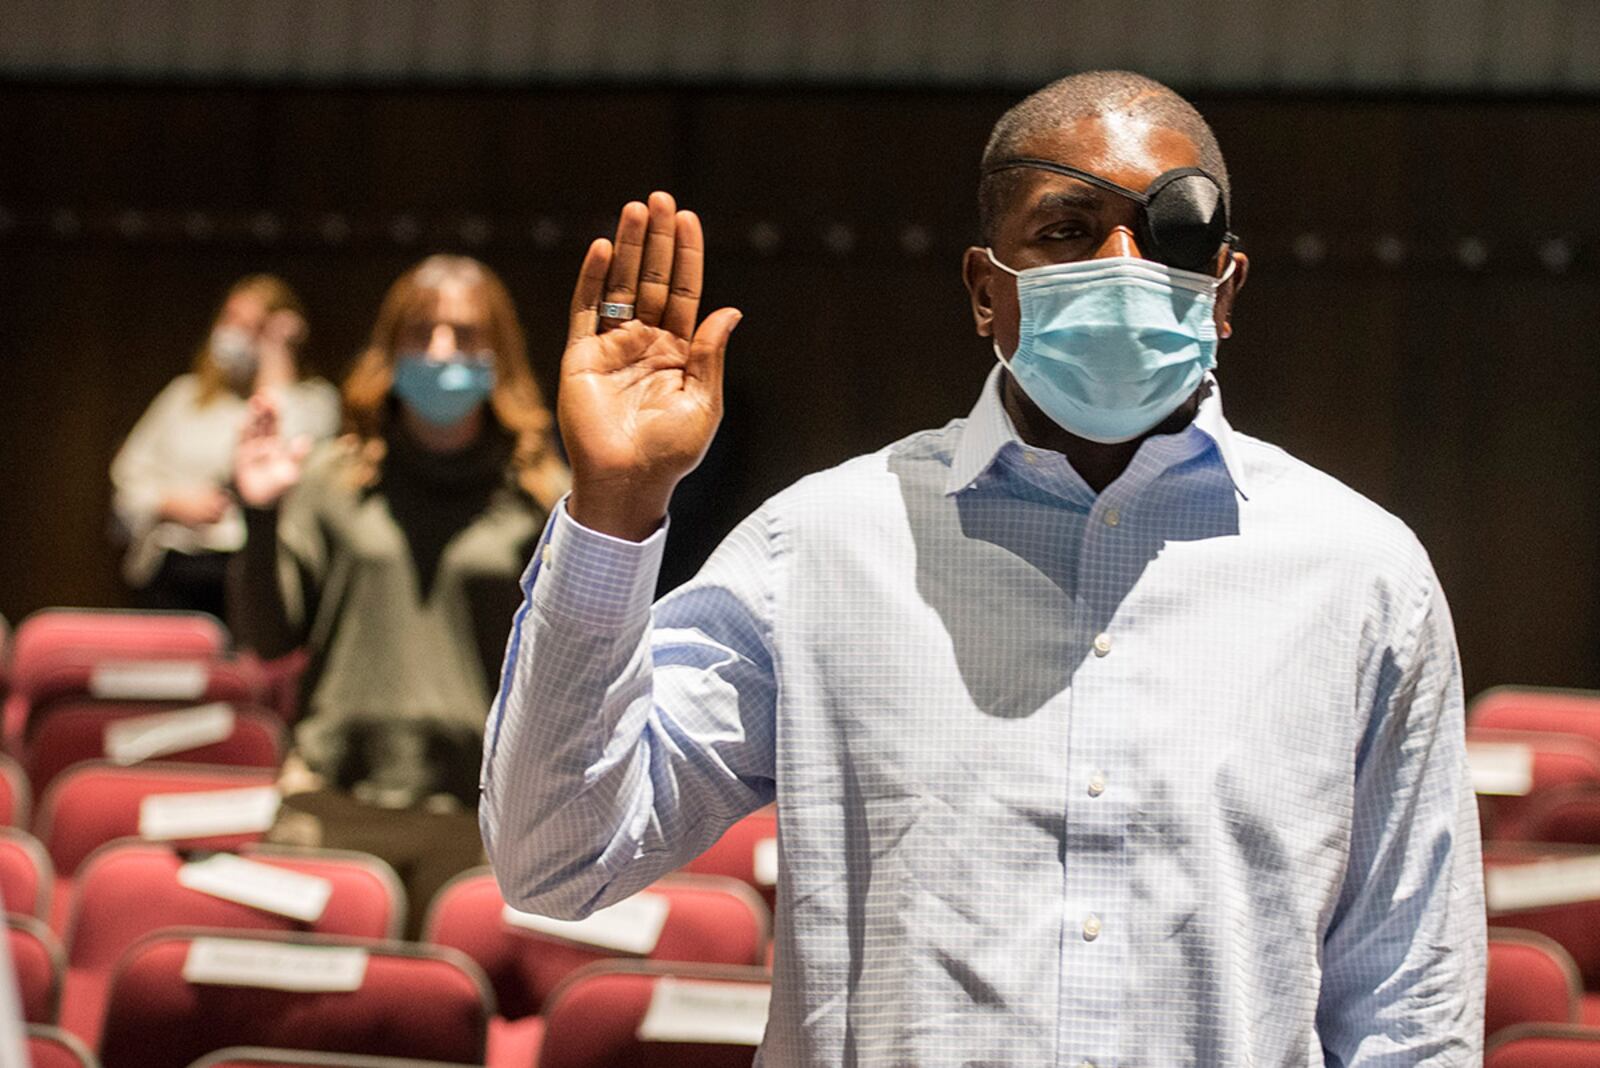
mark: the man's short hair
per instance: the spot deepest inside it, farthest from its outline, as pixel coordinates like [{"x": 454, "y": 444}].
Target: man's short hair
[{"x": 1081, "y": 96}]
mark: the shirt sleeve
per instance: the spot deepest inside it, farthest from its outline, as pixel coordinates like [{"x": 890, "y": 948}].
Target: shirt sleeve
[
  {"x": 1404, "y": 956},
  {"x": 625, "y": 739},
  {"x": 139, "y": 480}
]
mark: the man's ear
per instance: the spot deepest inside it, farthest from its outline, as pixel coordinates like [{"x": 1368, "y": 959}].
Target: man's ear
[
  {"x": 1228, "y": 291},
  {"x": 977, "y": 272}
]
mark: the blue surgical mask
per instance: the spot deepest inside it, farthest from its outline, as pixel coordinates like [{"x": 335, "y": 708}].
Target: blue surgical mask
[
  {"x": 443, "y": 392},
  {"x": 1109, "y": 348}
]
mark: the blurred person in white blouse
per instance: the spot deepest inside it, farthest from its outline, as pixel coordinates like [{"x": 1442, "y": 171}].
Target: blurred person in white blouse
[{"x": 171, "y": 476}]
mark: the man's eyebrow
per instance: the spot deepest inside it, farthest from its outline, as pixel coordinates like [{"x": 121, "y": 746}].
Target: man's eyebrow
[{"x": 1082, "y": 198}]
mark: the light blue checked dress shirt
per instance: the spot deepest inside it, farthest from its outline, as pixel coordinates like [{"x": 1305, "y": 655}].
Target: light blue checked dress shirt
[{"x": 1172, "y": 774}]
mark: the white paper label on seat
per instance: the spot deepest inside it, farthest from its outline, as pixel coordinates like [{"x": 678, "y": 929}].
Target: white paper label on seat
[
  {"x": 148, "y": 680},
  {"x": 1542, "y": 883},
  {"x": 213, "y": 812},
  {"x": 630, "y": 926},
  {"x": 766, "y": 862},
  {"x": 698, "y": 1010},
  {"x": 274, "y": 965},
  {"x": 263, "y": 886},
  {"x": 1500, "y": 768},
  {"x": 128, "y": 741}
]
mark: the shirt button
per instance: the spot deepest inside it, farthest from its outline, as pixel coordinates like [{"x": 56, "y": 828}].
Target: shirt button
[
  {"x": 545, "y": 554},
  {"x": 1102, "y": 644},
  {"x": 1112, "y": 517},
  {"x": 1091, "y": 928},
  {"x": 1097, "y": 784},
  {"x": 1030, "y": 459}
]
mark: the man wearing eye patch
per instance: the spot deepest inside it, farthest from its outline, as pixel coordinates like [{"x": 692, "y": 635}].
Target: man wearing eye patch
[{"x": 1100, "y": 733}]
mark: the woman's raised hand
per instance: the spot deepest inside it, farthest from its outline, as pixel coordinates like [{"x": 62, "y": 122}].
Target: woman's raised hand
[
  {"x": 265, "y": 464},
  {"x": 640, "y": 398}
]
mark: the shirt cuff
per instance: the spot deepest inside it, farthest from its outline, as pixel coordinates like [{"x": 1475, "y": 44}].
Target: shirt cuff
[{"x": 592, "y": 578}]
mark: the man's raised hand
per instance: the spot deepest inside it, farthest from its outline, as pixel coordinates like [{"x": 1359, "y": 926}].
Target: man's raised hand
[{"x": 640, "y": 398}]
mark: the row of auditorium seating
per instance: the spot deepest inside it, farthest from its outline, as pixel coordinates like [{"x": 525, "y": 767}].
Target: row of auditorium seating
[
  {"x": 1535, "y": 758},
  {"x": 80, "y": 687}
]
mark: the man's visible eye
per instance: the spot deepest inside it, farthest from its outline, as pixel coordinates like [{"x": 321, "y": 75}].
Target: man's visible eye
[{"x": 1064, "y": 231}]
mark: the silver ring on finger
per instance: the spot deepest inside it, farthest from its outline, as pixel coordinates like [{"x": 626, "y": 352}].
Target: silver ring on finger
[{"x": 610, "y": 310}]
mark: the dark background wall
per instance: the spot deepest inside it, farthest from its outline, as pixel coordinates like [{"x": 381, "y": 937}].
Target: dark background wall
[{"x": 1422, "y": 317}]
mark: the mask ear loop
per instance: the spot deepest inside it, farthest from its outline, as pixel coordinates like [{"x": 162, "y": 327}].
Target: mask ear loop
[{"x": 990, "y": 253}]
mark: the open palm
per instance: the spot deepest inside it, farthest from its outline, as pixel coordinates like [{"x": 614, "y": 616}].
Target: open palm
[{"x": 640, "y": 398}]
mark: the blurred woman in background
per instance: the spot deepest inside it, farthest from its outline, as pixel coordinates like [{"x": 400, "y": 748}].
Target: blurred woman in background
[
  {"x": 171, "y": 475},
  {"x": 393, "y": 555}
]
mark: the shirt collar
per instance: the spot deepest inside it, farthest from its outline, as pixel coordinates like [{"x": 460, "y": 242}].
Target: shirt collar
[{"x": 989, "y": 429}]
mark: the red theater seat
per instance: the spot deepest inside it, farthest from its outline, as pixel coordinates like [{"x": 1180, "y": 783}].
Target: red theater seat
[
  {"x": 37, "y": 959},
  {"x": 16, "y": 795},
  {"x": 615, "y": 1015},
  {"x": 1534, "y": 709},
  {"x": 1570, "y": 814},
  {"x": 259, "y": 1057},
  {"x": 54, "y": 651},
  {"x": 1531, "y": 980},
  {"x": 1555, "y": 891},
  {"x": 1544, "y": 1046},
  {"x": 1553, "y": 761},
  {"x": 748, "y": 851},
  {"x": 76, "y": 731},
  {"x": 51, "y": 1047},
  {"x": 27, "y": 878},
  {"x": 404, "y": 1000},
  {"x": 708, "y": 919},
  {"x": 130, "y": 889},
  {"x": 95, "y": 803}
]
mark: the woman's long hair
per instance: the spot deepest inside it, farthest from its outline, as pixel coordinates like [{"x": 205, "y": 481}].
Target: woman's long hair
[
  {"x": 516, "y": 401},
  {"x": 273, "y": 292}
]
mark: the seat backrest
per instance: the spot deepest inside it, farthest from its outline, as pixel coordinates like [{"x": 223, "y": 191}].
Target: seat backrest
[
  {"x": 1534, "y": 709},
  {"x": 617, "y": 1015},
  {"x": 94, "y": 803},
  {"x": 1551, "y": 890},
  {"x": 260, "y": 1057},
  {"x": 232, "y": 733},
  {"x": 1568, "y": 814},
  {"x": 707, "y": 919},
  {"x": 27, "y": 878},
  {"x": 37, "y": 959},
  {"x": 16, "y": 794},
  {"x": 1542, "y": 1046},
  {"x": 747, "y": 851},
  {"x": 52, "y": 635},
  {"x": 184, "y": 992},
  {"x": 128, "y": 889},
  {"x": 51, "y": 1047},
  {"x": 1531, "y": 980},
  {"x": 1515, "y": 769}
]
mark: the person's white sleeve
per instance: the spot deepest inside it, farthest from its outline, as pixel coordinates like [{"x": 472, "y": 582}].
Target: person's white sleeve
[
  {"x": 1404, "y": 956},
  {"x": 626, "y": 739},
  {"x": 139, "y": 481}
]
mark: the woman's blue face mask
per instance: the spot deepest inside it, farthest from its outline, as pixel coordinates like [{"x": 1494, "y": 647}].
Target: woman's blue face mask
[{"x": 443, "y": 392}]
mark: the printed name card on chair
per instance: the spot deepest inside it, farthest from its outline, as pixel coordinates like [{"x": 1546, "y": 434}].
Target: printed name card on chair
[
  {"x": 1542, "y": 883},
  {"x": 630, "y": 926},
  {"x": 262, "y": 886},
  {"x": 766, "y": 862},
  {"x": 1500, "y": 768},
  {"x": 140, "y": 738},
  {"x": 203, "y": 814},
  {"x": 149, "y": 680},
  {"x": 698, "y": 1010},
  {"x": 274, "y": 966}
]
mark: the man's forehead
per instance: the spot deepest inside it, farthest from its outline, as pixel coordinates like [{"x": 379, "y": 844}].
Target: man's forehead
[{"x": 1125, "y": 148}]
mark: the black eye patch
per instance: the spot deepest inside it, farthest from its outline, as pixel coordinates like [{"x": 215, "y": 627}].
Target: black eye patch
[{"x": 1183, "y": 220}]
